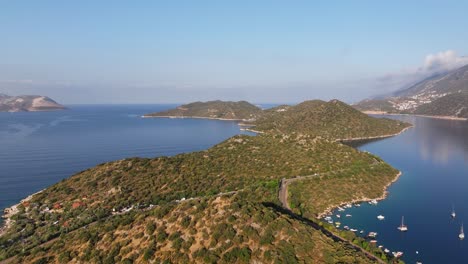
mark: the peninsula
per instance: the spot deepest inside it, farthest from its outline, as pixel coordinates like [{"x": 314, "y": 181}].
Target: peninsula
[
  {"x": 220, "y": 205},
  {"x": 222, "y": 110},
  {"x": 28, "y": 103}
]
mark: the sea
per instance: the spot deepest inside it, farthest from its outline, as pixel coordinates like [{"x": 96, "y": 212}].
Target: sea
[{"x": 38, "y": 149}]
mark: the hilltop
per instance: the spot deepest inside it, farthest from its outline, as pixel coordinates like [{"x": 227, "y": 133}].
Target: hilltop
[
  {"x": 27, "y": 103},
  {"x": 241, "y": 110},
  {"x": 218, "y": 205},
  {"x": 333, "y": 120},
  {"x": 431, "y": 96}
]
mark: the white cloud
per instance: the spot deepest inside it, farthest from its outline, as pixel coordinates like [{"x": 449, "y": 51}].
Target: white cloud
[
  {"x": 437, "y": 63},
  {"x": 443, "y": 61}
]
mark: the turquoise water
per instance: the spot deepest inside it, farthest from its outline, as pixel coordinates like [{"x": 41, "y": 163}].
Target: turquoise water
[
  {"x": 433, "y": 157},
  {"x": 39, "y": 149}
]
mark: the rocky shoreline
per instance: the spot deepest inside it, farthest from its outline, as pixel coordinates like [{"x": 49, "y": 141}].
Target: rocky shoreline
[
  {"x": 11, "y": 211},
  {"x": 376, "y": 137},
  {"x": 362, "y": 199}
]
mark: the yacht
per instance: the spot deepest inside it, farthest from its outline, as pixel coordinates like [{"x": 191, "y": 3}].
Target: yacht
[
  {"x": 403, "y": 227},
  {"x": 397, "y": 254},
  {"x": 348, "y": 215},
  {"x": 462, "y": 234},
  {"x": 380, "y": 217},
  {"x": 453, "y": 213},
  {"x": 373, "y": 202}
]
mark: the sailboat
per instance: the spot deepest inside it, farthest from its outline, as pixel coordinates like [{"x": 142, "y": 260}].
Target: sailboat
[
  {"x": 403, "y": 227},
  {"x": 462, "y": 234},
  {"x": 453, "y": 213}
]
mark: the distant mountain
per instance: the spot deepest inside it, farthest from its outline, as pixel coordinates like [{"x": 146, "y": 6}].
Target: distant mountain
[
  {"x": 333, "y": 119},
  {"x": 455, "y": 105},
  {"x": 426, "y": 97},
  {"x": 241, "y": 110},
  {"x": 27, "y": 103}
]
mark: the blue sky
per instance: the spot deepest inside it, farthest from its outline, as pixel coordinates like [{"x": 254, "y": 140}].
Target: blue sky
[{"x": 261, "y": 51}]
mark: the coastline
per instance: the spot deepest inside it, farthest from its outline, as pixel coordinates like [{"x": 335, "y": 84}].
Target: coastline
[
  {"x": 11, "y": 211},
  {"x": 375, "y": 137},
  {"x": 428, "y": 116},
  {"x": 195, "y": 117},
  {"x": 362, "y": 199}
]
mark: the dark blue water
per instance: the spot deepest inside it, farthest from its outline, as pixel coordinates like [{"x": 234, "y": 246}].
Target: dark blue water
[
  {"x": 433, "y": 157},
  {"x": 40, "y": 149}
]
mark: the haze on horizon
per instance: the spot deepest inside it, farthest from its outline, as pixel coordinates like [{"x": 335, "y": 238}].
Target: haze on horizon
[{"x": 260, "y": 51}]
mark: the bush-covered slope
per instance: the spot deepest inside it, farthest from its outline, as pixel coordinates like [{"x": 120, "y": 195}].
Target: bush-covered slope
[
  {"x": 334, "y": 120},
  {"x": 213, "y": 109}
]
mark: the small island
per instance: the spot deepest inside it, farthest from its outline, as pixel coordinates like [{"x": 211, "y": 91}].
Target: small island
[
  {"x": 226, "y": 204},
  {"x": 28, "y": 103}
]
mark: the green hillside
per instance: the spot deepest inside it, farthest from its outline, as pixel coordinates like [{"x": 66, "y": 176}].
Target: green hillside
[
  {"x": 213, "y": 109},
  {"x": 333, "y": 119},
  {"x": 218, "y": 205}
]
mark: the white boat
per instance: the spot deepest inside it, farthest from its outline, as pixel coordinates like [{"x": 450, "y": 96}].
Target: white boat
[
  {"x": 339, "y": 216},
  {"x": 397, "y": 254},
  {"x": 353, "y": 230},
  {"x": 372, "y": 234},
  {"x": 386, "y": 250},
  {"x": 380, "y": 217},
  {"x": 357, "y": 205},
  {"x": 346, "y": 227},
  {"x": 453, "y": 215},
  {"x": 348, "y": 215},
  {"x": 361, "y": 232},
  {"x": 340, "y": 209},
  {"x": 348, "y": 206},
  {"x": 462, "y": 234},
  {"x": 373, "y": 202},
  {"x": 403, "y": 227}
]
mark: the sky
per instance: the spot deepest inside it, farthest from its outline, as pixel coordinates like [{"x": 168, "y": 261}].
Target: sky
[{"x": 89, "y": 52}]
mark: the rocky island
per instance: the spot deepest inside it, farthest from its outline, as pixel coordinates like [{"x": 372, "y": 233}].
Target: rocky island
[
  {"x": 28, "y": 103},
  {"x": 221, "y": 205}
]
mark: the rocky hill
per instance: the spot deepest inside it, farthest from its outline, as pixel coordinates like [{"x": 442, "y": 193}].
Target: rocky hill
[
  {"x": 241, "y": 110},
  {"x": 418, "y": 98},
  {"x": 218, "y": 205},
  {"x": 28, "y": 103}
]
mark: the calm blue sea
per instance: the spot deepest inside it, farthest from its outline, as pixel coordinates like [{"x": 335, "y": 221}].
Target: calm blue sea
[
  {"x": 39, "y": 149},
  {"x": 433, "y": 157}
]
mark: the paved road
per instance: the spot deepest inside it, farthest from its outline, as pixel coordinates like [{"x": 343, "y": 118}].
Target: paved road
[{"x": 283, "y": 197}]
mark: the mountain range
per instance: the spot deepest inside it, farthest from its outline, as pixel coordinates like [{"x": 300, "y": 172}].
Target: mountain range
[
  {"x": 439, "y": 95},
  {"x": 28, "y": 103}
]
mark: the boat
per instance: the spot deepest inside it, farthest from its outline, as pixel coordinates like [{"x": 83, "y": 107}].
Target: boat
[
  {"x": 348, "y": 205},
  {"x": 462, "y": 234},
  {"x": 361, "y": 232},
  {"x": 380, "y": 217},
  {"x": 340, "y": 209},
  {"x": 386, "y": 250},
  {"x": 346, "y": 227},
  {"x": 357, "y": 205},
  {"x": 397, "y": 254},
  {"x": 403, "y": 227},
  {"x": 348, "y": 215},
  {"x": 373, "y": 202},
  {"x": 339, "y": 216},
  {"x": 453, "y": 213},
  {"x": 353, "y": 230},
  {"x": 372, "y": 234}
]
